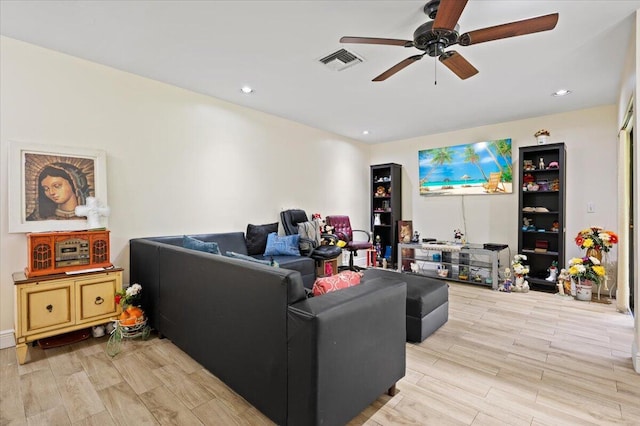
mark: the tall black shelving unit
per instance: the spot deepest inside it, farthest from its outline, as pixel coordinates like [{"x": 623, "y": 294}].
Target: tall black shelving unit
[
  {"x": 388, "y": 207},
  {"x": 545, "y": 194}
]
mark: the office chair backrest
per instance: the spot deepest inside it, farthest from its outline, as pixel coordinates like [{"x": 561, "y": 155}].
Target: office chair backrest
[
  {"x": 290, "y": 220},
  {"x": 341, "y": 227}
]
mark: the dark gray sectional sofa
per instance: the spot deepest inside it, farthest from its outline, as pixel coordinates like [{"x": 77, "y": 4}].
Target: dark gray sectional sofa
[{"x": 317, "y": 361}]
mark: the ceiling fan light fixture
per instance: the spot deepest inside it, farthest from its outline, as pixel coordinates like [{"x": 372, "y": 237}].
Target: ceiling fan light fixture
[
  {"x": 246, "y": 90},
  {"x": 561, "y": 92}
]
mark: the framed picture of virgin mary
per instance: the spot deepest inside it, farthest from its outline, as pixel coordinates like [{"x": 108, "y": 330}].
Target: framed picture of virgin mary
[{"x": 47, "y": 183}]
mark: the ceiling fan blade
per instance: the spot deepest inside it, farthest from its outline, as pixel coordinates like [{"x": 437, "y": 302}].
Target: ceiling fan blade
[
  {"x": 374, "y": 40},
  {"x": 458, "y": 64},
  {"x": 448, "y": 14},
  {"x": 512, "y": 29},
  {"x": 397, "y": 67}
]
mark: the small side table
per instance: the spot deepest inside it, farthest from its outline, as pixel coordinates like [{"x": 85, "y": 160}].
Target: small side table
[{"x": 326, "y": 267}]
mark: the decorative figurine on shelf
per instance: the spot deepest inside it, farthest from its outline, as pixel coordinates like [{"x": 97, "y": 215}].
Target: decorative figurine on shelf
[
  {"x": 380, "y": 192},
  {"x": 93, "y": 210},
  {"x": 378, "y": 247},
  {"x": 506, "y": 284},
  {"x": 553, "y": 272},
  {"x": 414, "y": 267},
  {"x": 416, "y": 237},
  {"x": 463, "y": 274},
  {"x": 553, "y": 165},
  {"x": 555, "y": 226},
  {"x": 520, "y": 270},
  {"x": 564, "y": 282},
  {"x": 457, "y": 236},
  {"x": 541, "y": 164},
  {"x": 376, "y": 219}
]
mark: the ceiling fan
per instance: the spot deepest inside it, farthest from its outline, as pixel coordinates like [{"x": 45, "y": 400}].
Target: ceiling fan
[{"x": 435, "y": 36}]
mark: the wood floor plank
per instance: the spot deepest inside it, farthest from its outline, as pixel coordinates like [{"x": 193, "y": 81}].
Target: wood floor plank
[
  {"x": 53, "y": 416},
  {"x": 11, "y": 404},
  {"x": 124, "y": 405},
  {"x": 188, "y": 391},
  {"x": 100, "y": 370},
  {"x": 39, "y": 392},
  {"x": 79, "y": 396},
  {"x": 135, "y": 373},
  {"x": 102, "y": 418},
  {"x": 166, "y": 409}
]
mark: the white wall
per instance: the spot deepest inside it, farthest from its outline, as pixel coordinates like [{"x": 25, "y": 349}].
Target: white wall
[
  {"x": 590, "y": 137},
  {"x": 177, "y": 162}
]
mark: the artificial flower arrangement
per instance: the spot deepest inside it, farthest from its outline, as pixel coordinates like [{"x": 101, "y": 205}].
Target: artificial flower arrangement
[
  {"x": 129, "y": 298},
  {"x": 596, "y": 237},
  {"x": 542, "y": 132},
  {"x": 517, "y": 266},
  {"x": 586, "y": 268}
]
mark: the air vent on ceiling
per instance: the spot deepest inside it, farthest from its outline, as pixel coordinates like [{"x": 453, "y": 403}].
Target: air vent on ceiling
[{"x": 340, "y": 60}]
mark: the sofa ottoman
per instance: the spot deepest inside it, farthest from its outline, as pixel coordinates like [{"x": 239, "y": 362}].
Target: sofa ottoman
[{"x": 427, "y": 302}]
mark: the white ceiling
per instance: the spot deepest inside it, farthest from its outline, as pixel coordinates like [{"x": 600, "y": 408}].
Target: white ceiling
[{"x": 215, "y": 47}]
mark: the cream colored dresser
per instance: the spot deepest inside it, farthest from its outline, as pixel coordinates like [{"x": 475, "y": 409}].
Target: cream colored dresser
[{"x": 55, "y": 304}]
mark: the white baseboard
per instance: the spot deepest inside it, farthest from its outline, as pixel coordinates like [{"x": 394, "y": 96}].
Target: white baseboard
[{"x": 7, "y": 339}]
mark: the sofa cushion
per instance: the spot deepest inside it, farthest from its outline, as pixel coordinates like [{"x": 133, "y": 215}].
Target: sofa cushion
[
  {"x": 284, "y": 245},
  {"x": 257, "y": 237},
  {"x": 336, "y": 282},
  {"x": 195, "y": 244},
  {"x": 252, "y": 259}
]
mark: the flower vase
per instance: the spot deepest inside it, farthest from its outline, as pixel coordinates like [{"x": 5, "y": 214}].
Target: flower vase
[
  {"x": 542, "y": 139},
  {"x": 584, "y": 290},
  {"x": 376, "y": 219}
]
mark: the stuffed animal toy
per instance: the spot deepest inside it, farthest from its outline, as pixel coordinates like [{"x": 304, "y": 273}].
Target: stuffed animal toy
[{"x": 380, "y": 191}]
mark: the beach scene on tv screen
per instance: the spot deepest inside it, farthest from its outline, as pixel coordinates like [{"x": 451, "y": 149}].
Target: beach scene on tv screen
[{"x": 474, "y": 169}]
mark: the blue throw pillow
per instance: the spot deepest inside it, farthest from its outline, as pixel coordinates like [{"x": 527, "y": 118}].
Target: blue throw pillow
[
  {"x": 252, "y": 259},
  {"x": 286, "y": 245},
  {"x": 193, "y": 244}
]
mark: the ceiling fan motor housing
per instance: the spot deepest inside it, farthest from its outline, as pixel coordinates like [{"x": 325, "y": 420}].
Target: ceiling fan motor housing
[
  {"x": 431, "y": 8},
  {"x": 433, "y": 42}
]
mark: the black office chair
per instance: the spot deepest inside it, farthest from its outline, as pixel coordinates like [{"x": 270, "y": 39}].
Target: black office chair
[{"x": 309, "y": 247}]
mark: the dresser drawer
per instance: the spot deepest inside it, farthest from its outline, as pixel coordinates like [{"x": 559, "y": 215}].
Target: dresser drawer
[
  {"x": 96, "y": 298},
  {"x": 46, "y": 307}
]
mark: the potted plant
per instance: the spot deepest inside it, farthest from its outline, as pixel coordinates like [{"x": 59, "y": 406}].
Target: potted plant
[
  {"x": 542, "y": 136},
  {"x": 586, "y": 272}
]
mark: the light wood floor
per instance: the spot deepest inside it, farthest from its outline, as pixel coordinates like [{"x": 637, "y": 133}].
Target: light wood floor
[{"x": 516, "y": 359}]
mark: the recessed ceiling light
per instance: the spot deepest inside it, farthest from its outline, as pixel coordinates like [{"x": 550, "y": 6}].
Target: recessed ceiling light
[
  {"x": 246, "y": 90},
  {"x": 365, "y": 132},
  {"x": 561, "y": 92}
]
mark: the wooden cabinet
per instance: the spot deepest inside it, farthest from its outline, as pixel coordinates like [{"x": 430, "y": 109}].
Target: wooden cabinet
[
  {"x": 541, "y": 210},
  {"x": 56, "y": 304},
  {"x": 386, "y": 206}
]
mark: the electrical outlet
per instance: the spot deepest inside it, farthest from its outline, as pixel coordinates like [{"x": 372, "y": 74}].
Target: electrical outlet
[{"x": 591, "y": 207}]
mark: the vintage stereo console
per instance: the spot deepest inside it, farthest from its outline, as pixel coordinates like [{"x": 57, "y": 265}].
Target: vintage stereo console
[{"x": 58, "y": 252}]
